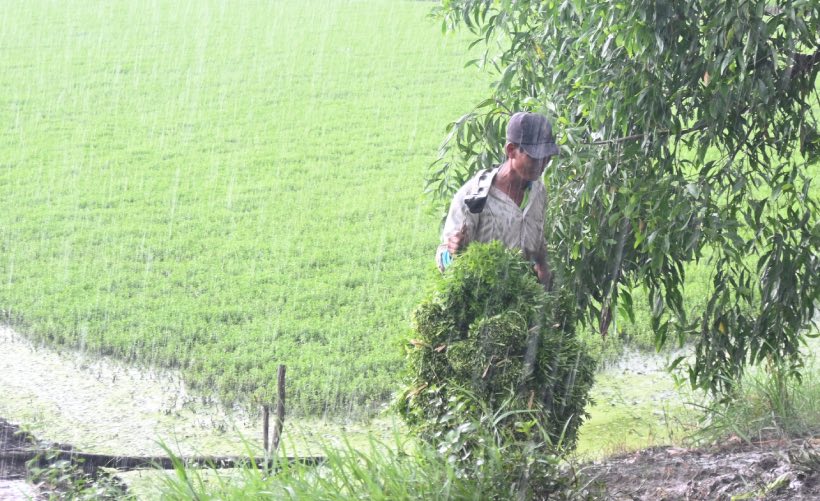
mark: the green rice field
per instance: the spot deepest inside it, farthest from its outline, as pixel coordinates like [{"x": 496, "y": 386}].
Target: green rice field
[{"x": 226, "y": 186}]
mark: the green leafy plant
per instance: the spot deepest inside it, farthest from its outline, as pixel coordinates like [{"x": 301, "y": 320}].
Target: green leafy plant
[
  {"x": 489, "y": 330},
  {"x": 64, "y": 479}
]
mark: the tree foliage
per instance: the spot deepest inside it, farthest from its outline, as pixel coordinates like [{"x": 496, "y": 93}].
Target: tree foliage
[{"x": 688, "y": 131}]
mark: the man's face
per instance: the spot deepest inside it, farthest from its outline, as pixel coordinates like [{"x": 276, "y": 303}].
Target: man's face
[{"x": 530, "y": 168}]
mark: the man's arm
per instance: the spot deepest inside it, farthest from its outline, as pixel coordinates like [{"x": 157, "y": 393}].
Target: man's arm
[
  {"x": 458, "y": 229},
  {"x": 542, "y": 269},
  {"x": 544, "y": 273}
]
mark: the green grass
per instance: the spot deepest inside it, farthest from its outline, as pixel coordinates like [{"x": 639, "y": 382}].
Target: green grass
[
  {"x": 225, "y": 186},
  {"x": 389, "y": 470},
  {"x": 766, "y": 407}
]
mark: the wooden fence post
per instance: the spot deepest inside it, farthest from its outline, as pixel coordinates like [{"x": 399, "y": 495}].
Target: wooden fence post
[
  {"x": 265, "y": 427},
  {"x": 280, "y": 409}
]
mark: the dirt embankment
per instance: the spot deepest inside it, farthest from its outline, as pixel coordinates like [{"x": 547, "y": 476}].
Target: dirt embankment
[{"x": 774, "y": 470}]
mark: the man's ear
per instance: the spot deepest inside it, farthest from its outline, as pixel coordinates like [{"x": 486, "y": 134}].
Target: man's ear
[{"x": 510, "y": 149}]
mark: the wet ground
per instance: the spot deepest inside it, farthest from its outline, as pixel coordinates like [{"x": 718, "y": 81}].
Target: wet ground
[
  {"x": 775, "y": 470},
  {"x": 105, "y": 406},
  {"x": 636, "y": 405}
]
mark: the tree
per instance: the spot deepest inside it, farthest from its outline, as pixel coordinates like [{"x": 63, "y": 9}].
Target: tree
[{"x": 689, "y": 131}]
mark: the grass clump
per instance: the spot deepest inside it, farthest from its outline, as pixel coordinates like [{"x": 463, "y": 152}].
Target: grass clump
[
  {"x": 767, "y": 404},
  {"x": 489, "y": 330},
  {"x": 505, "y": 468}
]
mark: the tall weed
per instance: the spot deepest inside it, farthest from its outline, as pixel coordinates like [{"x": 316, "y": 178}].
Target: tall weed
[{"x": 768, "y": 404}]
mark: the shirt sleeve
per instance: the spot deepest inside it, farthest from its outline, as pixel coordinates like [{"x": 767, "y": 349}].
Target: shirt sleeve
[{"x": 459, "y": 215}]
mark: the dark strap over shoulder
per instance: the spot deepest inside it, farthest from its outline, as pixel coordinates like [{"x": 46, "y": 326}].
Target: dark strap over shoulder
[{"x": 477, "y": 199}]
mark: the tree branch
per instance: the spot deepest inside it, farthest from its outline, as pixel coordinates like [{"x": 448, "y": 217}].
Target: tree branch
[
  {"x": 634, "y": 137},
  {"x": 804, "y": 63},
  {"x": 501, "y": 103}
]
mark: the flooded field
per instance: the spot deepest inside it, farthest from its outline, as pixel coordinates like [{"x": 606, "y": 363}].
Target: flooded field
[
  {"x": 100, "y": 405},
  {"x": 104, "y": 406},
  {"x": 636, "y": 405}
]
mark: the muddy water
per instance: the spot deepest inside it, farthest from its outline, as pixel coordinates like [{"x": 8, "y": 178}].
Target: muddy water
[
  {"x": 14, "y": 490},
  {"x": 104, "y": 406},
  {"x": 636, "y": 405}
]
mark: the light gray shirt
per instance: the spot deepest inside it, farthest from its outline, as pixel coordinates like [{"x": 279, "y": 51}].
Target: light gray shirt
[{"x": 501, "y": 220}]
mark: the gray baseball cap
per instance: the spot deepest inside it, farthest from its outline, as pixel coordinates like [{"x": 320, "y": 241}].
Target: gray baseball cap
[{"x": 533, "y": 133}]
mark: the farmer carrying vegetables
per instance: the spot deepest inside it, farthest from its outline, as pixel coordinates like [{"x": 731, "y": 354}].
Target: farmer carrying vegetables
[{"x": 507, "y": 202}]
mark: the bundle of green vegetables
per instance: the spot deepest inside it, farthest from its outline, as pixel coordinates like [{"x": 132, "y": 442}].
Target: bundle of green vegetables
[{"x": 489, "y": 341}]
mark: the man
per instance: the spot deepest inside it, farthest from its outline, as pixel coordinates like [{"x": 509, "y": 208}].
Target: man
[{"x": 506, "y": 203}]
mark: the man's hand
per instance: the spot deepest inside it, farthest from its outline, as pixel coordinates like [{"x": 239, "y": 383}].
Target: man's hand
[
  {"x": 544, "y": 275},
  {"x": 457, "y": 240}
]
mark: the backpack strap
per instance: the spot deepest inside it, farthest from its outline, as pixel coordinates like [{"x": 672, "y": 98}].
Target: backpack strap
[{"x": 477, "y": 199}]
